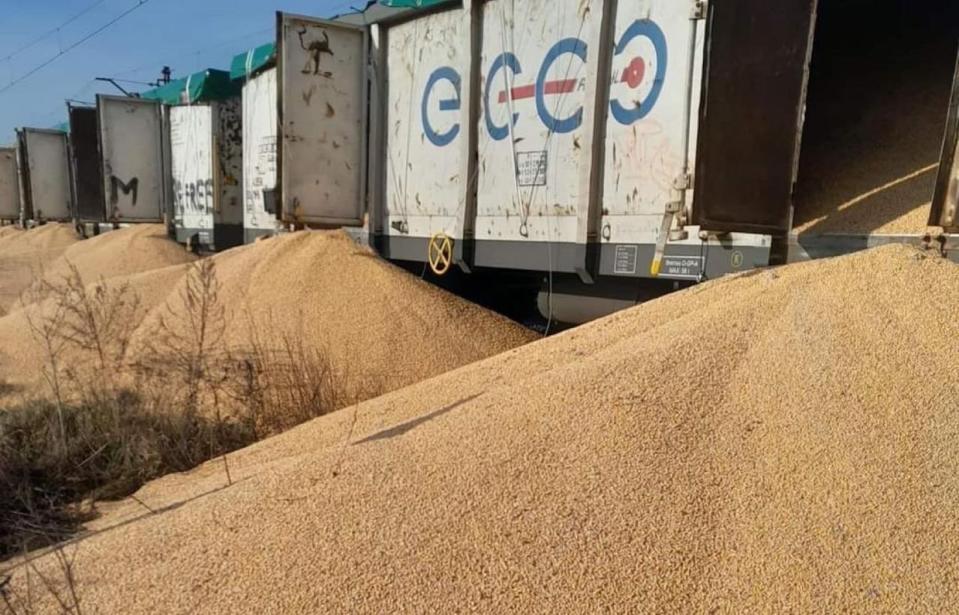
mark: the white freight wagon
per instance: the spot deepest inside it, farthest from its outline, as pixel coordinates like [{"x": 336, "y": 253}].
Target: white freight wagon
[
  {"x": 606, "y": 141},
  {"x": 44, "y": 174},
  {"x": 206, "y": 159},
  {"x": 9, "y": 185},
  {"x": 133, "y": 158},
  {"x": 206, "y": 147},
  {"x": 497, "y": 134}
]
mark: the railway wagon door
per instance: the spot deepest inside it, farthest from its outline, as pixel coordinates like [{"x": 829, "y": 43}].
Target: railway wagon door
[
  {"x": 47, "y": 176},
  {"x": 945, "y": 202},
  {"x": 9, "y": 184},
  {"x": 751, "y": 114},
  {"x": 85, "y": 161},
  {"x": 323, "y": 90},
  {"x": 132, "y": 160}
]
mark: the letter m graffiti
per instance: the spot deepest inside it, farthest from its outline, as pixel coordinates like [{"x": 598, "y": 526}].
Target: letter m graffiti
[{"x": 117, "y": 185}]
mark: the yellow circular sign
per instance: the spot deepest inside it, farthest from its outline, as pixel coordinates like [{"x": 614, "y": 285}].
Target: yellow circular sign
[
  {"x": 736, "y": 259},
  {"x": 440, "y": 254}
]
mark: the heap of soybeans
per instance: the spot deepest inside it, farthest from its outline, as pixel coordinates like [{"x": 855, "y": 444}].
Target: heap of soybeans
[
  {"x": 783, "y": 439},
  {"x": 380, "y": 327}
]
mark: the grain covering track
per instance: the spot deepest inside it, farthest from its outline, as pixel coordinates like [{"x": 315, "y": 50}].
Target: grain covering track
[
  {"x": 381, "y": 327},
  {"x": 125, "y": 251},
  {"x": 781, "y": 440},
  {"x": 378, "y": 324}
]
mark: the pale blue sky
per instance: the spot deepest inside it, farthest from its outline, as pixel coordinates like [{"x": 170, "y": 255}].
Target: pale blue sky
[{"x": 187, "y": 35}]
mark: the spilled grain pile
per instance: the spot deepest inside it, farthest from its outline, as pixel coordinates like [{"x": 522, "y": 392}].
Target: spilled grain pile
[
  {"x": 23, "y": 253},
  {"x": 380, "y": 325},
  {"x": 139, "y": 256},
  {"x": 22, "y": 356},
  {"x": 125, "y": 251},
  {"x": 782, "y": 440}
]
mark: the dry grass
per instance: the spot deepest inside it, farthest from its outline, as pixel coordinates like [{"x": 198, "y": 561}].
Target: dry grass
[{"x": 182, "y": 402}]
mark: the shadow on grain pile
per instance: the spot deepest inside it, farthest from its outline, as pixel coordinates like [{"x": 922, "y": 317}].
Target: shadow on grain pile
[{"x": 785, "y": 439}]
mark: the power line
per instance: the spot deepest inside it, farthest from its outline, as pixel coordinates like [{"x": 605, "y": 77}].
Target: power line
[
  {"x": 167, "y": 57},
  {"x": 74, "y": 45},
  {"x": 54, "y": 31}
]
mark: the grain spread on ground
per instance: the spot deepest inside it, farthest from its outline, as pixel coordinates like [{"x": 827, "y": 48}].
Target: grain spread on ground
[
  {"x": 126, "y": 251},
  {"x": 22, "y": 359},
  {"x": 376, "y": 322},
  {"x": 141, "y": 256},
  {"x": 783, "y": 439},
  {"x": 24, "y": 253},
  {"x": 380, "y": 326}
]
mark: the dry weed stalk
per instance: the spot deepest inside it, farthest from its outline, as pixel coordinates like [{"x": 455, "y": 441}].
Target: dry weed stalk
[
  {"x": 96, "y": 321},
  {"x": 281, "y": 384},
  {"x": 48, "y": 333},
  {"x": 118, "y": 423},
  {"x": 59, "y": 587},
  {"x": 188, "y": 341}
]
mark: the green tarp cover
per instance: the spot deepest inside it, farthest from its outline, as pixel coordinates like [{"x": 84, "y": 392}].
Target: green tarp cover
[
  {"x": 205, "y": 86},
  {"x": 248, "y": 62}
]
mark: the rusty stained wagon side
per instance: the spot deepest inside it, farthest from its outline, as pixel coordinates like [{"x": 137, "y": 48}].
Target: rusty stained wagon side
[{"x": 322, "y": 102}]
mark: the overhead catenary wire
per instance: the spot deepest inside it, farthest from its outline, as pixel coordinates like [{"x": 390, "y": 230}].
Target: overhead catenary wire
[
  {"x": 50, "y": 33},
  {"x": 168, "y": 55},
  {"x": 71, "y": 47}
]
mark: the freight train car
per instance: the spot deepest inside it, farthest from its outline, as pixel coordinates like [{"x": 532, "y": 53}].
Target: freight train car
[
  {"x": 206, "y": 154},
  {"x": 304, "y": 123},
  {"x": 134, "y": 159},
  {"x": 44, "y": 166},
  {"x": 9, "y": 186},
  {"x": 257, "y": 70},
  {"x": 615, "y": 144}
]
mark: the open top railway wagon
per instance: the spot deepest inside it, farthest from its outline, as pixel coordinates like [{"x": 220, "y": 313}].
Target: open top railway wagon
[
  {"x": 609, "y": 149},
  {"x": 759, "y": 119},
  {"x": 622, "y": 147}
]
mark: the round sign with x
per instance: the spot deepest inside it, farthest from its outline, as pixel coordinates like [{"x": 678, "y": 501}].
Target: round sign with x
[{"x": 440, "y": 253}]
